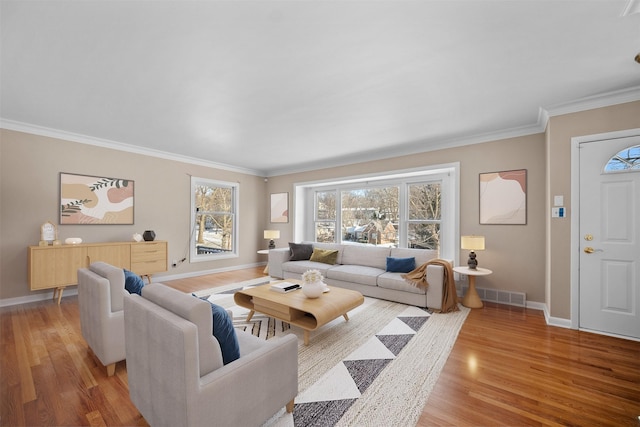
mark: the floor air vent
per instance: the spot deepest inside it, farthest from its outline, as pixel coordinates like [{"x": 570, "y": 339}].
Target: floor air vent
[{"x": 501, "y": 297}]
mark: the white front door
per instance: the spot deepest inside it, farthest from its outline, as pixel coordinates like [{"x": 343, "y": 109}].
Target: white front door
[{"x": 609, "y": 232}]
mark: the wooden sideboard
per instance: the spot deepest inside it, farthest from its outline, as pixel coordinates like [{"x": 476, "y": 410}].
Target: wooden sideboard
[{"x": 55, "y": 267}]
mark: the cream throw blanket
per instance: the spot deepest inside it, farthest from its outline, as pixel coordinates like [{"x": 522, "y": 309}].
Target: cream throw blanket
[{"x": 418, "y": 278}]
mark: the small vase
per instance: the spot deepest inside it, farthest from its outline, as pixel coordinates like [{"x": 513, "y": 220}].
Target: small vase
[
  {"x": 313, "y": 290},
  {"x": 149, "y": 235}
]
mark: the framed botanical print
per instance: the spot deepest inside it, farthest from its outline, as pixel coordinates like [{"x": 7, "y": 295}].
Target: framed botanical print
[{"x": 86, "y": 199}]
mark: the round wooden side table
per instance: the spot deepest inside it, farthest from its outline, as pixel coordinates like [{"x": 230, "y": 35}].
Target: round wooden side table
[
  {"x": 471, "y": 298},
  {"x": 265, "y": 252}
]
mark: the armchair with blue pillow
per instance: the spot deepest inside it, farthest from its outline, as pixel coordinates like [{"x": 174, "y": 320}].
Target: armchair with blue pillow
[{"x": 176, "y": 369}]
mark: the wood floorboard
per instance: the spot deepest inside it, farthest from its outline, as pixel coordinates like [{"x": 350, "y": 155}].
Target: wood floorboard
[{"x": 507, "y": 368}]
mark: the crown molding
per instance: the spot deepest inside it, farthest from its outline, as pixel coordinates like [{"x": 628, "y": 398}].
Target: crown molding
[
  {"x": 544, "y": 114},
  {"x": 114, "y": 145},
  {"x": 418, "y": 147},
  {"x": 608, "y": 99}
]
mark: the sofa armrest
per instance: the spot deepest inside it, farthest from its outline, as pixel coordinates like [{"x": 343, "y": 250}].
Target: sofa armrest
[
  {"x": 266, "y": 377},
  {"x": 276, "y": 258},
  {"x": 435, "y": 291}
]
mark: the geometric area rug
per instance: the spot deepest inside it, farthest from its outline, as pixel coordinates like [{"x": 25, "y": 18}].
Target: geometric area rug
[{"x": 377, "y": 369}]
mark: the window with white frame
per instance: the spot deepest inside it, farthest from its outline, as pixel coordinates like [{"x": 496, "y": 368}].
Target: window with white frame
[
  {"x": 409, "y": 209},
  {"x": 625, "y": 160},
  {"x": 214, "y": 219}
]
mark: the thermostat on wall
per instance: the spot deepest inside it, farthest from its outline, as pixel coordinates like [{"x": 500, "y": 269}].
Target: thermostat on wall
[{"x": 558, "y": 212}]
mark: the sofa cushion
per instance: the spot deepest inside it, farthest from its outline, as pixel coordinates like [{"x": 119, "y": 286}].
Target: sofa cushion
[
  {"x": 421, "y": 255},
  {"x": 300, "y": 251},
  {"x": 330, "y": 246},
  {"x": 370, "y": 256},
  {"x": 360, "y": 274},
  {"x": 326, "y": 256},
  {"x": 132, "y": 282},
  {"x": 401, "y": 265},
  {"x": 389, "y": 280},
  {"x": 299, "y": 267}
]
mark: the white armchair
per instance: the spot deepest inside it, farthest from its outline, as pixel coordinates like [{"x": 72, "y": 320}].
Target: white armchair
[
  {"x": 101, "y": 302},
  {"x": 175, "y": 371}
]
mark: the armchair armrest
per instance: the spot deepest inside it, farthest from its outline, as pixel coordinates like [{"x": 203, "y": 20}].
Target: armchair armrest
[
  {"x": 276, "y": 258},
  {"x": 265, "y": 378}
]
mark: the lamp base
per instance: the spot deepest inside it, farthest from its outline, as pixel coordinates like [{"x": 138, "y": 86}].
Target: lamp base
[
  {"x": 472, "y": 263},
  {"x": 272, "y": 244}
]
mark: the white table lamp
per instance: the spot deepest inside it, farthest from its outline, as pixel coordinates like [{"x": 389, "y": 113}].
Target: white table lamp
[
  {"x": 472, "y": 243},
  {"x": 270, "y": 235}
]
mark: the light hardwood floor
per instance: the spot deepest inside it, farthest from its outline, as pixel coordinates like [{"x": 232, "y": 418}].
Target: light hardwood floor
[{"x": 507, "y": 368}]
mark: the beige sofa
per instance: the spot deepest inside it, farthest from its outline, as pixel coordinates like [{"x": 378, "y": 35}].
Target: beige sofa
[
  {"x": 176, "y": 373},
  {"x": 363, "y": 268}
]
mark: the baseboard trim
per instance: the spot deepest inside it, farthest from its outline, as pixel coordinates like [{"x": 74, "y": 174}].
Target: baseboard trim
[
  {"x": 159, "y": 278},
  {"x": 536, "y": 305},
  {"x": 555, "y": 321},
  {"x": 7, "y": 302}
]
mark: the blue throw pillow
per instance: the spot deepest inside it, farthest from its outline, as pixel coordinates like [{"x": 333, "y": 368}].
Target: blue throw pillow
[
  {"x": 132, "y": 282},
  {"x": 401, "y": 265},
  {"x": 224, "y": 332}
]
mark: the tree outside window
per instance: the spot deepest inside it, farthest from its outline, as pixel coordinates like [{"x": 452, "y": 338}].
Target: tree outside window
[
  {"x": 215, "y": 206},
  {"x": 376, "y": 215},
  {"x": 325, "y": 216},
  {"x": 370, "y": 216},
  {"x": 425, "y": 215}
]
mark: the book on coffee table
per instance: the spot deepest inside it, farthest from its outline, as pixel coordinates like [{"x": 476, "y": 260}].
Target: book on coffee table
[{"x": 284, "y": 287}]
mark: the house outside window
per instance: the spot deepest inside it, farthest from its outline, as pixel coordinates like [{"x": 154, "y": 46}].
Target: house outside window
[{"x": 214, "y": 220}]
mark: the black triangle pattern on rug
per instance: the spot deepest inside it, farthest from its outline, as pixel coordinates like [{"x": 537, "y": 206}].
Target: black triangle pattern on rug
[
  {"x": 395, "y": 343},
  {"x": 364, "y": 372},
  {"x": 414, "y": 323},
  {"x": 327, "y": 413},
  {"x": 320, "y": 414}
]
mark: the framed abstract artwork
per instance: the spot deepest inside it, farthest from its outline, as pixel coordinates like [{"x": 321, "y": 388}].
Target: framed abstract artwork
[
  {"x": 88, "y": 199},
  {"x": 503, "y": 197},
  {"x": 279, "y": 207}
]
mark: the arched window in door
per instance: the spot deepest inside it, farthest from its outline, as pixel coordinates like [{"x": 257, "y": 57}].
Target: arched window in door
[{"x": 626, "y": 159}]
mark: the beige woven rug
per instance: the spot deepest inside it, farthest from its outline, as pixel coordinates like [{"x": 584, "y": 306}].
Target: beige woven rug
[{"x": 378, "y": 368}]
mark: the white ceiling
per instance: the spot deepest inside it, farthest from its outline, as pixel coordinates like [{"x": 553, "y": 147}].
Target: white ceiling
[{"x": 277, "y": 86}]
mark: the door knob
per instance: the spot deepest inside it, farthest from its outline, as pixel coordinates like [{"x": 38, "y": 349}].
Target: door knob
[{"x": 590, "y": 250}]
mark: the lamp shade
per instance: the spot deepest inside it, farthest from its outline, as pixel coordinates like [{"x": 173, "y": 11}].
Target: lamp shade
[
  {"x": 271, "y": 234},
  {"x": 473, "y": 243}
]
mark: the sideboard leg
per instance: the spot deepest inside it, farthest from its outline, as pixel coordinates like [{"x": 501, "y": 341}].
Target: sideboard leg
[{"x": 57, "y": 293}]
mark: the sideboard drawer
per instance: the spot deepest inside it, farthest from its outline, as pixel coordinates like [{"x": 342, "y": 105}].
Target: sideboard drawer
[{"x": 148, "y": 257}]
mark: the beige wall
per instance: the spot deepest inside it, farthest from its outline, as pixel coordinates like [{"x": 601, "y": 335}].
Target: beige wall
[
  {"x": 30, "y": 167},
  {"x": 560, "y": 131},
  {"x": 534, "y": 258},
  {"x": 515, "y": 253}
]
